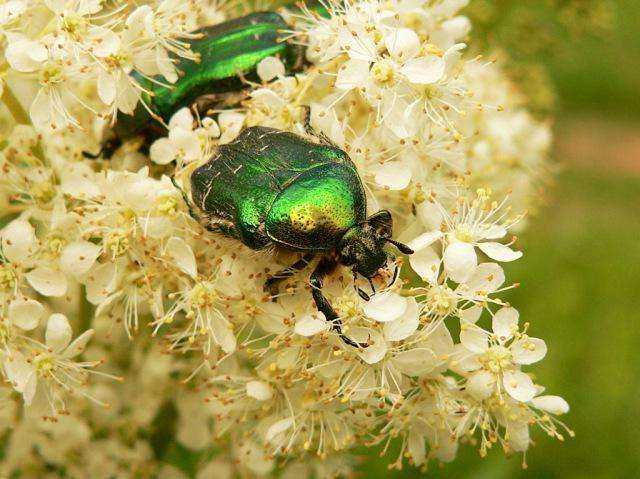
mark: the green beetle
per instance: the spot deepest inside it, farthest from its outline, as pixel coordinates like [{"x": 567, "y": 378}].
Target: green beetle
[
  {"x": 229, "y": 54},
  {"x": 270, "y": 187}
]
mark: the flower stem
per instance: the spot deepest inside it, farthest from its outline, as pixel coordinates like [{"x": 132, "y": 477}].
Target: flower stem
[{"x": 14, "y": 106}]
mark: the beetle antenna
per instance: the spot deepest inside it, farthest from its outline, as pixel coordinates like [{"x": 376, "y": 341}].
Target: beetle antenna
[{"x": 401, "y": 246}]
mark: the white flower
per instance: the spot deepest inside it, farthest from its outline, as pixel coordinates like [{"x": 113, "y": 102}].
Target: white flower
[
  {"x": 231, "y": 123},
  {"x": 495, "y": 358},
  {"x": 473, "y": 224},
  {"x": 52, "y": 363},
  {"x": 185, "y": 143}
]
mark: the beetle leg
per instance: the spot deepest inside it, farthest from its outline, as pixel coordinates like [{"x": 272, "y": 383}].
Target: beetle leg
[
  {"x": 192, "y": 213},
  {"x": 324, "y": 139},
  {"x": 106, "y": 151},
  {"x": 324, "y": 267},
  {"x": 206, "y": 105},
  {"x": 271, "y": 285}
]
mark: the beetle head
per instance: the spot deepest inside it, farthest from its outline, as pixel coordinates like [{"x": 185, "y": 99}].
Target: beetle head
[{"x": 362, "y": 246}]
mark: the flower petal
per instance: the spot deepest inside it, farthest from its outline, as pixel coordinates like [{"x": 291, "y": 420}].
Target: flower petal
[
  {"x": 424, "y": 240},
  {"x": 416, "y": 447},
  {"x": 460, "y": 259},
  {"x": 183, "y": 255},
  {"x": 259, "y": 390},
  {"x": 416, "y": 362},
  {"x": 551, "y": 404},
  {"x": 402, "y": 43},
  {"x": 311, "y": 324},
  {"x": 165, "y": 65},
  {"x": 472, "y": 314},
  {"x": 47, "y": 281},
  {"x": 377, "y": 348},
  {"x": 278, "y": 428},
  {"x": 480, "y": 384},
  {"x": 485, "y": 279},
  {"x": 58, "y": 333},
  {"x": 499, "y": 252},
  {"x": 25, "y": 313},
  {"x": 518, "y": 433},
  {"x": 78, "y": 345},
  {"x": 494, "y": 232},
  {"x": 385, "y": 306},
  {"x": 473, "y": 338},
  {"x": 183, "y": 118},
  {"x": 106, "y": 87},
  {"x": 25, "y": 55},
  {"x": 426, "y": 263},
  {"x": 393, "y": 175},
  {"x": 463, "y": 361},
  {"x": 528, "y": 350},
  {"x": 425, "y": 70},
  {"x": 505, "y": 323},
  {"x": 519, "y": 386},
  {"x": 22, "y": 375},
  {"x": 78, "y": 257},
  {"x": 404, "y": 326},
  {"x": 163, "y": 151},
  {"x": 352, "y": 74},
  {"x": 101, "y": 283},
  {"x": 269, "y": 68},
  {"x": 18, "y": 240}
]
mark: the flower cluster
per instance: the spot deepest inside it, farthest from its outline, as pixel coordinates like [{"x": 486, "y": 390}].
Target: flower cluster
[
  {"x": 86, "y": 51},
  {"x": 175, "y": 331}
]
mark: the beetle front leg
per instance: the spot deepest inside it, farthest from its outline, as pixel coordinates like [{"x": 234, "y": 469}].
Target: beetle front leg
[
  {"x": 271, "y": 285},
  {"x": 324, "y": 139},
  {"x": 106, "y": 151},
  {"x": 325, "y": 266}
]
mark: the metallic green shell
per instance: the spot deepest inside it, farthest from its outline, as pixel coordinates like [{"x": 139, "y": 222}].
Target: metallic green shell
[
  {"x": 270, "y": 186},
  {"x": 227, "y": 50},
  {"x": 317, "y": 208}
]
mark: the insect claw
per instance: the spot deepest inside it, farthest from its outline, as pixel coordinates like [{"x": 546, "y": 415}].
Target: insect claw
[
  {"x": 363, "y": 295},
  {"x": 395, "y": 276}
]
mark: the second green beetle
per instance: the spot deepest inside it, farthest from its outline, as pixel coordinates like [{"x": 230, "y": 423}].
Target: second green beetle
[
  {"x": 270, "y": 187},
  {"x": 229, "y": 54}
]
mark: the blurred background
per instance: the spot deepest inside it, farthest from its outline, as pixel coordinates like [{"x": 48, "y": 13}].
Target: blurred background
[{"x": 579, "y": 61}]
